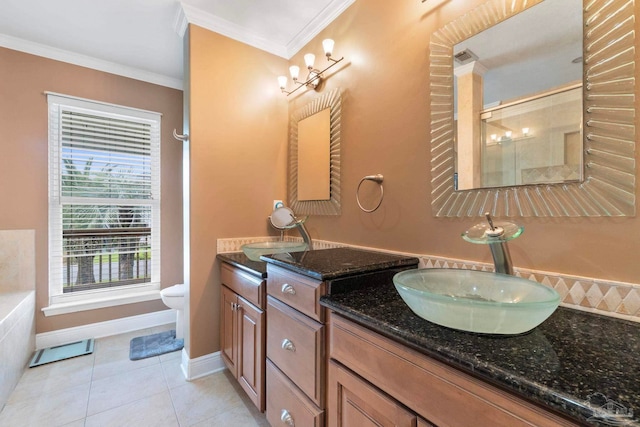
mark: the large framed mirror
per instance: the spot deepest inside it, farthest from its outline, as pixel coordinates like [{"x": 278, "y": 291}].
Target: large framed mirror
[
  {"x": 605, "y": 184},
  {"x": 314, "y": 156}
]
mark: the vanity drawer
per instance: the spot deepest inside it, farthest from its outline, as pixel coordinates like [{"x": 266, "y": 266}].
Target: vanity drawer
[
  {"x": 295, "y": 344},
  {"x": 244, "y": 284},
  {"x": 286, "y": 405},
  {"x": 300, "y": 292}
]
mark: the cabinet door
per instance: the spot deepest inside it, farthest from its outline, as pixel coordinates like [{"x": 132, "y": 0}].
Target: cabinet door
[
  {"x": 229, "y": 330},
  {"x": 251, "y": 337},
  {"x": 354, "y": 402}
]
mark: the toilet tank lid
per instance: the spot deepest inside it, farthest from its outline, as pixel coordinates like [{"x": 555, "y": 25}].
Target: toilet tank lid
[{"x": 174, "y": 291}]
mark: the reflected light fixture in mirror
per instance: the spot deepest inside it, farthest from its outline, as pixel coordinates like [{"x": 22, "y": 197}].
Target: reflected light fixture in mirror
[
  {"x": 608, "y": 186},
  {"x": 315, "y": 76},
  {"x": 325, "y": 204}
]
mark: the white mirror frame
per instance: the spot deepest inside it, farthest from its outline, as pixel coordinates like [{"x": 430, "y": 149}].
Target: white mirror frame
[
  {"x": 332, "y": 100},
  {"x": 608, "y": 188}
]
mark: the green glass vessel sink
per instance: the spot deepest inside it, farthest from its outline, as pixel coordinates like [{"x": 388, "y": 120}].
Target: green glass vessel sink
[
  {"x": 253, "y": 251},
  {"x": 476, "y": 301}
]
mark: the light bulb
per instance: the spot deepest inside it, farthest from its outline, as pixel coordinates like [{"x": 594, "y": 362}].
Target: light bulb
[
  {"x": 309, "y": 59},
  {"x": 525, "y": 131},
  {"x": 282, "y": 81},
  {"x": 494, "y": 137},
  {"x": 327, "y": 45},
  {"x": 295, "y": 72},
  {"x": 508, "y": 134}
]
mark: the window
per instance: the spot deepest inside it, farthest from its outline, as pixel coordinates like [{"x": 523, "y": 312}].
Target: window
[{"x": 104, "y": 203}]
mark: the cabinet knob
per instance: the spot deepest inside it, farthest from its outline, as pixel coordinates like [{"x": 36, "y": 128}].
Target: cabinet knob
[
  {"x": 286, "y": 418},
  {"x": 288, "y": 345},
  {"x": 288, "y": 289}
]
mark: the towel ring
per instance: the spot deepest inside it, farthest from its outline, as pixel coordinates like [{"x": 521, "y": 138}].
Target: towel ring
[{"x": 375, "y": 178}]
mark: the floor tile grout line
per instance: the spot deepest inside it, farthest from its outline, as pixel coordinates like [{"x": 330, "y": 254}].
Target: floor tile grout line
[
  {"x": 142, "y": 366},
  {"x": 125, "y": 404},
  {"x": 173, "y": 406}
]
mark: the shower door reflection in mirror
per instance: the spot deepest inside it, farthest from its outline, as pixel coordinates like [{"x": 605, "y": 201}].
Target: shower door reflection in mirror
[{"x": 534, "y": 142}]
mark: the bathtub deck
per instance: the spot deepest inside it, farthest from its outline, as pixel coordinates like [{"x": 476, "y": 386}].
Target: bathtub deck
[{"x": 17, "y": 337}]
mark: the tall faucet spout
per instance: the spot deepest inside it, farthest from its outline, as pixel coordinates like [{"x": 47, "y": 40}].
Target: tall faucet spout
[
  {"x": 501, "y": 257},
  {"x": 305, "y": 234}
]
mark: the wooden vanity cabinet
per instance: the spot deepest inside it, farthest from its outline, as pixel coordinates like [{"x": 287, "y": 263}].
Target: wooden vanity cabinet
[
  {"x": 242, "y": 330},
  {"x": 296, "y": 357},
  {"x": 374, "y": 380}
]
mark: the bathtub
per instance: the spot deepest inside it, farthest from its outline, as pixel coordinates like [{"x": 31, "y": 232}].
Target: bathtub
[
  {"x": 17, "y": 337},
  {"x": 17, "y": 307}
]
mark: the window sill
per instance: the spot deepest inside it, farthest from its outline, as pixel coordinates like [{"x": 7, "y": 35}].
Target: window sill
[{"x": 102, "y": 302}]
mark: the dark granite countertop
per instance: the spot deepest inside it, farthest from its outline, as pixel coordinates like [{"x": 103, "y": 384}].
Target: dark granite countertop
[
  {"x": 579, "y": 364},
  {"x": 328, "y": 264},
  {"x": 240, "y": 260}
]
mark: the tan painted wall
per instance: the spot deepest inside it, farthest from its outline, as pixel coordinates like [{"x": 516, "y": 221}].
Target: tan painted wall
[
  {"x": 23, "y": 163},
  {"x": 238, "y": 137},
  {"x": 385, "y": 129},
  {"x": 238, "y": 125}
]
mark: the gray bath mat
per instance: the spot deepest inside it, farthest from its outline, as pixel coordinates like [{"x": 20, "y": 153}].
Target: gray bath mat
[
  {"x": 154, "y": 345},
  {"x": 61, "y": 352}
]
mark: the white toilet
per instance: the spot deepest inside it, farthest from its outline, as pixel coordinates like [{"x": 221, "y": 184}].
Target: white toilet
[{"x": 173, "y": 297}]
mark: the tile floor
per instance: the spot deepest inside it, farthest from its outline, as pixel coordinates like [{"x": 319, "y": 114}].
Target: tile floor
[{"x": 107, "y": 389}]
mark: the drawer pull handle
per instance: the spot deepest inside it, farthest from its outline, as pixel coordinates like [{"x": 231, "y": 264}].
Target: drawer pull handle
[
  {"x": 288, "y": 289},
  {"x": 286, "y": 418},
  {"x": 288, "y": 345}
]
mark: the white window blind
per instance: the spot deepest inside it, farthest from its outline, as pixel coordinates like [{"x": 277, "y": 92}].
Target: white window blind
[{"x": 104, "y": 198}]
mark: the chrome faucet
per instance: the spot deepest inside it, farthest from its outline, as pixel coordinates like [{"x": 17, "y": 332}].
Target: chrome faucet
[
  {"x": 283, "y": 218},
  {"x": 304, "y": 233},
  {"x": 499, "y": 248},
  {"x": 496, "y": 236}
]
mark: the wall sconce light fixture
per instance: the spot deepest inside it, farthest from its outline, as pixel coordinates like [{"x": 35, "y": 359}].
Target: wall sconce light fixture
[{"x": 315, "y": 76}]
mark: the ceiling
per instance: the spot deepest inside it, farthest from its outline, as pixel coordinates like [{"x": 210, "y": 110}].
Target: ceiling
[
  {"x": 142, "y": 39},
  {"x": 521, "y": 59}
]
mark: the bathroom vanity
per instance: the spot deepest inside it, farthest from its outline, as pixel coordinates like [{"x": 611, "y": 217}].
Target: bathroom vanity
[
  {"x": 341, "y": 348},
  {"x": 289, "y": 353},
  {"x": 386, "y": 363}
]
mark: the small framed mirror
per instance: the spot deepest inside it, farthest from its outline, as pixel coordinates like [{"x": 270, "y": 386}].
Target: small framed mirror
[{"x": 314, "y": 156}]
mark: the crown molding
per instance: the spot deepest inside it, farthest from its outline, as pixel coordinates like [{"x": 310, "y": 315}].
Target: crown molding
[
  {"x": 236, "y": 32},
  {"x": 192, "y": 15},
  {"x": 181, "y": 23},
  {"x": 316, "y": 25},
  {"x": 88, "y": 61}
]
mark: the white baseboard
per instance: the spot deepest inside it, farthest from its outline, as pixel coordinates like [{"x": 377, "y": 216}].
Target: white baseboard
[
  {"x": 201, "y": 366},
  {"x": 105, "y": 329}
]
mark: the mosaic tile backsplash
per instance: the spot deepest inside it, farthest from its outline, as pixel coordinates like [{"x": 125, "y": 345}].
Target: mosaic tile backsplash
[{"x": 616, "y": 299}]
